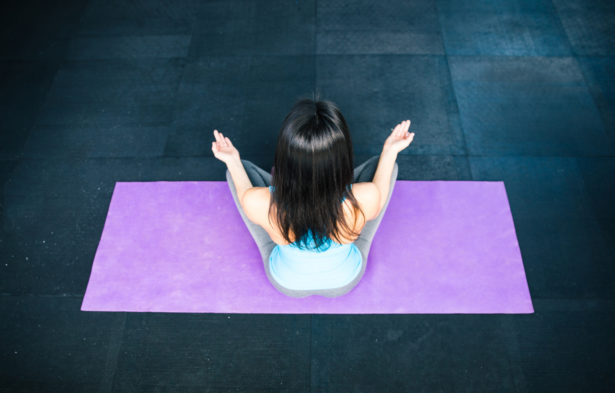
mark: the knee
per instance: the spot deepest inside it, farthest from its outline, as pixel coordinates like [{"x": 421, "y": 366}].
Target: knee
[
  {"x": 247, "y": 163},
  {"x": 373, "y": 161}
]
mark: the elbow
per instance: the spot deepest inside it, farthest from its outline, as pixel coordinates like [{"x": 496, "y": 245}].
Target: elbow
[
  {"x": 244, "y": 200},
  {"x": 248, "y": 205},
  {"x": 377, "y": 202}
]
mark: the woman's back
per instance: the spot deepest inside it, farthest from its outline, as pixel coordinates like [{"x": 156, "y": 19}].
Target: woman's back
[
  {"x": 332, "y": 265},
  {"x": 366, "y": 194}
]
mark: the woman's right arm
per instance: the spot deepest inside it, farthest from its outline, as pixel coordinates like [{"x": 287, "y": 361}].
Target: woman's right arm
[
  {"x": 382, "y": 177},
  {"x": 399, "y": 139}
]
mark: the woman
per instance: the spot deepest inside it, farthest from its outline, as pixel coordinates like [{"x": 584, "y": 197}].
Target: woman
[{"x": 314, "y": 218}]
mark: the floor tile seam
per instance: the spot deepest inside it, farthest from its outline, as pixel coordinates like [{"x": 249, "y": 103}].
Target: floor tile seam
[
  {"x": 462, "y": 128},
  {"x": 597, "y": 156},
  {"x": 82, "y": 35},
  {"x": 42, "y": 295},
  {"x": 372, "y": 54},
  {"x": 562, "y": 27},
  {"x": 514, "y": 355},
  {"x": 557, "y": 304},
  {"x": 111, "y": 360},
  {"x": 135, "y": 58},
  {"x": 593, "y": 207},
  {"x": 196, "y": 59},
  {"x": 597, "y": 107},
  {"x": 454, "y": 92},
  {"x": 310, "y": 356},
  {"x": 315, "y": 59},
  {"x": 69, "y": 159}
]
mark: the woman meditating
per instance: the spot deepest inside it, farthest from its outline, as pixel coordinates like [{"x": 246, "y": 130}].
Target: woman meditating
[{"x": 314, "y": 217}]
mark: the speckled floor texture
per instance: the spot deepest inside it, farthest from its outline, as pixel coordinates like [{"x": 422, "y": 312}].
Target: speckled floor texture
[{"x": 103, "y": 91}]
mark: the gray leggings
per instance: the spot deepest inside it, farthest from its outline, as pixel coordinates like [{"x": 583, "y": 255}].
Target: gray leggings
[{"x": 260, "y": 178}]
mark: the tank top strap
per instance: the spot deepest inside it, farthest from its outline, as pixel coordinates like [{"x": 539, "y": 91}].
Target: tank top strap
[{"x": 350, "y": 187}]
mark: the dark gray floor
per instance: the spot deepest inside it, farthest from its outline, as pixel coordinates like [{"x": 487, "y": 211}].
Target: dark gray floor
[{"x": 103, "y": 91}]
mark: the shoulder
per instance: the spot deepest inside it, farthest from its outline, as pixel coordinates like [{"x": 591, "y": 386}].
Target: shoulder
[
  {"x": 256, "y": 204},
  {"x": 368, "y": 196}
]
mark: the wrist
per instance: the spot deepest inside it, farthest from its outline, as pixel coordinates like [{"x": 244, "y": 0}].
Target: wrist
[
  {"x": 388, "y": 152},
  {"x": 233, "y": 162}
]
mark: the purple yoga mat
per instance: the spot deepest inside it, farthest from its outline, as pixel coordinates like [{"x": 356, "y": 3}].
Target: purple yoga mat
[{"x": 442, "y": 247}]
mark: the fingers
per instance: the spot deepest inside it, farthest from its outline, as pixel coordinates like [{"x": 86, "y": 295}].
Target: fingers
[
  {"x": 396, "y": 129},
  {"x": 405, "y": 126},
  {"x": 401, "y": 129},
  {"x": 221, "y": 139},
  {"x": 222, "y": 144},
  {"x": 218, "y": 135}
]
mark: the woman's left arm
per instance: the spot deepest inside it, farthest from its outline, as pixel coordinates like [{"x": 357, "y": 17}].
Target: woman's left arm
[
  {"x": 240, "y": 179},
  {"x": 224, "y": 150}
]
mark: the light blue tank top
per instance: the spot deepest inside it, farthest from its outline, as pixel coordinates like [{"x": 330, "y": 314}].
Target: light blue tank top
[{"x": 333, "y": 265}]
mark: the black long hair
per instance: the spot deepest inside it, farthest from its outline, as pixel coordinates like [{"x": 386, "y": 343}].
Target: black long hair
[{"x": 313, "y": 169}]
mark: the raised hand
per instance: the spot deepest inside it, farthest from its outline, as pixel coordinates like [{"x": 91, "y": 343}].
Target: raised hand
[
  {"x": 223, "y": 149},
  {"x": 400, "y": 138}
]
